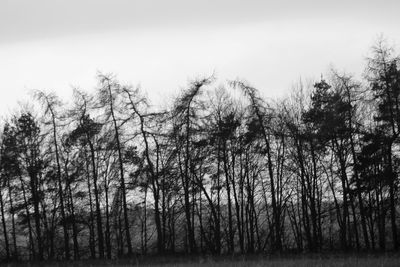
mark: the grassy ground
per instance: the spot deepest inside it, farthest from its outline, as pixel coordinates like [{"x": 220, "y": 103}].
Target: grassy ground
[{"x": 281, "y": 261}]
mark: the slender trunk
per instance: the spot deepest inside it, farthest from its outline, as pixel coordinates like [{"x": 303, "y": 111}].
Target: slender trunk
[
  {"x": 355, "y": 171},
  {"x": 74, "y": 226},
  {"x": 97, "y": 202},
  {"x": 28, "y": 217},
  {"x": 108, "y": 234},
  {"x": 192, "y": 244},
  {"x": 276, "y": 217},
  {"x": 121, "y": 168},
  {"x": 237, "y": 207},
  {"x": 392, "y": 201},
  {"x": 91, "y": 219},
  {"x": 3, "y": 220},
  {"x": 312, "y": 187},
  {"x": 14, "y": 235},
  {"x": 60, "y": 189},
  {"x": 231, "y": 245},
  {"x": 218, "y": 216},
  {"x": 73, "y": 218},
  {"x": 36, "y": 210},
  {"x": 154, "y": 178}
]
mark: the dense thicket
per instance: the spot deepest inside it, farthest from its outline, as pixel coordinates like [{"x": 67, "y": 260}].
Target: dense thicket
[{"x": 108, "y": 175}]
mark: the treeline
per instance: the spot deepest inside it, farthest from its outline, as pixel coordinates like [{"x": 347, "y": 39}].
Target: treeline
[{"x": 108, "y": 175}]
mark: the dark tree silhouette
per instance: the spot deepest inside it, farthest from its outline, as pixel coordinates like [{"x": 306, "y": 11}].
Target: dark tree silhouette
[{"x": 219, "y": 170}]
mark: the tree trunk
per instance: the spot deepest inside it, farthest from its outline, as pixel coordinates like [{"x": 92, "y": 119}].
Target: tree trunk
[{"x": 121, "y": 168}]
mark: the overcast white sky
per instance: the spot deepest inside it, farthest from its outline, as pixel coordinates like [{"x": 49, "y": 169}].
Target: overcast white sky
[{"x": 57, "y": 44}]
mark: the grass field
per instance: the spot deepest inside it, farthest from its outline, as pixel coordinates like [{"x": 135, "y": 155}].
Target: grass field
[{"x": 289, "y": 261}]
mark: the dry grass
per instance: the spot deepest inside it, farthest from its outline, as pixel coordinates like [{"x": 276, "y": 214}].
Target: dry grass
[
  {"x": 290, "y": 261},
  {"x": 299, "y": 262}
]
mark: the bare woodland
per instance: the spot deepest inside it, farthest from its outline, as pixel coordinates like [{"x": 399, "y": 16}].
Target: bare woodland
[{"x": 220, "y": 171}]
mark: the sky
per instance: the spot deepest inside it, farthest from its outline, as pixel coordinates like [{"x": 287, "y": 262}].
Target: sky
[{"x": 57, "y": 45}]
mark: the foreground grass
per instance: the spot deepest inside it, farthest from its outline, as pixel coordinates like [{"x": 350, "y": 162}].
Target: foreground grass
[{"x": 253, "y": 261}]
